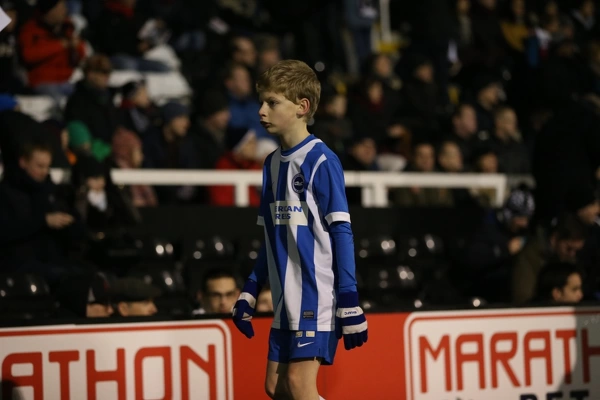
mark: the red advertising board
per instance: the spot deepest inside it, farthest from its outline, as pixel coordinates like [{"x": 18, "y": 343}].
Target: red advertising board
[{"x": 520, "y": 354}]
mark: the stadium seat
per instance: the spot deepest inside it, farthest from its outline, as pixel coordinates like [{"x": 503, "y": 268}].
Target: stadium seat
[
  {"x": 25, "y": 296},
  {"x": 375, "y": 248},
  {"x": 158, "y": 249},
  {"x": 427, "y": 246},
  {"x": 212, "y": 248},
  {"x": 169, "y": 281}
]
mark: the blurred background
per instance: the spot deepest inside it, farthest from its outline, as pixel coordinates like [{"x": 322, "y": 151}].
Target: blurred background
[{"x": 469, "y": 131}]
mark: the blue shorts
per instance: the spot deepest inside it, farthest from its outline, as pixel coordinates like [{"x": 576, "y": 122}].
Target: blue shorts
[{"x": 285, "y": 346}]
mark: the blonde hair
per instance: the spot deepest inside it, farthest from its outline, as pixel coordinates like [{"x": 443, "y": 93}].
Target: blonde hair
[{"x": 293, "y": 79}]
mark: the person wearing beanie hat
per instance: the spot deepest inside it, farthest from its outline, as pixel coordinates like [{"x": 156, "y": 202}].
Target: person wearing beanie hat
[
  {"x": 51, "y": 49},
  {"x": 81, "y": 141},
  {"x": 241, "y": 155}
]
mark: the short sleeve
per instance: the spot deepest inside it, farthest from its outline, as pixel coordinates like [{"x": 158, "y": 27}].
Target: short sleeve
[{"x": 330, "y": 191}]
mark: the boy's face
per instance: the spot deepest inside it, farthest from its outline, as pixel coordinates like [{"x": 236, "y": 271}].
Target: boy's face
[
  {"x": 279, "y": 115},
  {"x": 571, "y": 292}
]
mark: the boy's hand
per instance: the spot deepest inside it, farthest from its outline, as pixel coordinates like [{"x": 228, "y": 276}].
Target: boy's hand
[
  {"x": 350, "y": 321},
  {"x": 243, "y": 310}
]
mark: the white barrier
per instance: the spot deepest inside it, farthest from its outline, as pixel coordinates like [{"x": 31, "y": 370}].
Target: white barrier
[{"x": 374, "y": 193}]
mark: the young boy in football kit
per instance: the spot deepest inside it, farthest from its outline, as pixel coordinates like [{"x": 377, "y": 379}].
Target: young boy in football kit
[{"x": 308, "y": 253}]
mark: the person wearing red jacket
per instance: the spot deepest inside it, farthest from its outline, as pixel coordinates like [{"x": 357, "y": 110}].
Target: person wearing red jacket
[
  {"x": 50, "y": 49},
  {"x": 241, "y": 155}
]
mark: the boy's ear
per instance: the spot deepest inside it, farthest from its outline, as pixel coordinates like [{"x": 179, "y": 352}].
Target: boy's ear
[{"x": 303, "y": 107}]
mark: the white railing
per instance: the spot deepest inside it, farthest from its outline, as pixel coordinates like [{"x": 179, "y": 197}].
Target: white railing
[{"x": 374, "y": 185}]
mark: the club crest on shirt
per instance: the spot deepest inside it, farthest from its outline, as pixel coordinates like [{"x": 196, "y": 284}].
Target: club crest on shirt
[{"x": 298, "y": 183}]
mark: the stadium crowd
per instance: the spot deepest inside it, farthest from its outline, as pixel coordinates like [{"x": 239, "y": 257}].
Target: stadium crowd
[{"x": 485, "y": 86}]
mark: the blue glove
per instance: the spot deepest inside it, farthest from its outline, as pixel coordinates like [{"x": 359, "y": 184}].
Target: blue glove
[
  {"x": 350, "y": 321},
  {"x": 243, "y": 310}
]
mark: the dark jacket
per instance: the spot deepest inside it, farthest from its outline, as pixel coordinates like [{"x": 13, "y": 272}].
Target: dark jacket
[
  {"x": 94, "y": 108},
  {"x": 209, "y": 146},
  {"x": 181, "y": 154},
  {"x": 25, "y": 237},
  {"x": 116, "y": 30}
]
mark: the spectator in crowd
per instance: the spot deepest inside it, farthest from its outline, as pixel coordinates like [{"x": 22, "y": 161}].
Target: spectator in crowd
[
  {"x": 464, "y": 128},
  {"x": 243, "y": 52},
  {"x": 101, "y": 205},
  {"x": 85, "y": 295},
  {"x": 423, "y": 161},
  {"x": 170, "y": 147},
  {"x": 241, "y": 155},
  {"x": 92, "y": 102},
  {"x": 584, "y": 19},
  {"x": 463, "y": 36},
  {"x": 505, "y": 139},
  {"x": 134, "y": 298},
  {"x": 268, "y": 54},
  {"x": 38, "y": 226},
  {"x": 564, "y": 240},
  {"x": 514, "y": 26},
  {"x": 331, "y": 124},
  {"x": 420, "y": 96},
  {"x": 119, "y": 33},
  {"x": 212, "y": 120},
  {"x": 83, "y": 143},
  {"x": 218, "y": 293},
  {"x": 50, "y": 49},
  {"x": 139, "y": 115},
  {"x": 264, "y": 302},
  {"x": 361, "y": 156},
  {"x": 488, "y": 41},
  {"x": 360, "y": 16},
  {"x": 370, "y": 111},
  {"x": 490, "y": 253},
  {"x": 559, "y": 282},
  {"x": 126, "y": 154},
  {"x": 242, "y": 105},
  {"x": 450, "y": 158},
  {"x": 486, "y": 161},
  {"x": 9, "y": 79},
  {"x": 381, "y": 67},
  {"x": 487, "y": 95}
]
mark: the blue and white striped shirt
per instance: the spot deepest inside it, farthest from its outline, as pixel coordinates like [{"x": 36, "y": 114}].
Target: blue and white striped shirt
[{"x": 303, "y": 194}]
